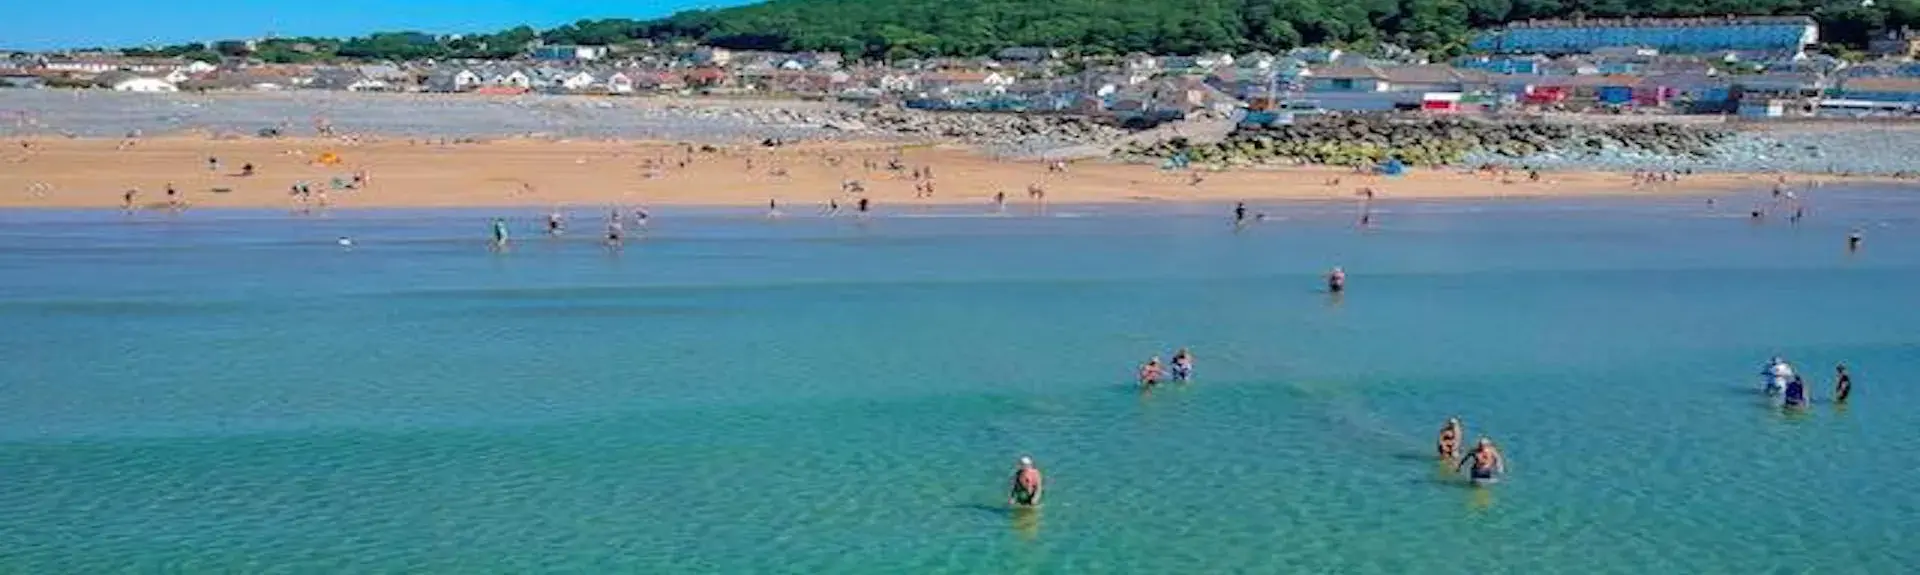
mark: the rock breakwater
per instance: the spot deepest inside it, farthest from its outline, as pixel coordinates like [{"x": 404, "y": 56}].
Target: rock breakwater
[{"x": 1352, "y": 140}]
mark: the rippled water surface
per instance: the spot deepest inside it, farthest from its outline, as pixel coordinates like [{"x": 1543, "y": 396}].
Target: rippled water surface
[{"x": 232, "y": 392}]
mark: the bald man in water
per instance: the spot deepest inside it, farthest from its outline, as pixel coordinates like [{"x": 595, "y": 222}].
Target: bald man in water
[{"x": 1027, "y": 486}]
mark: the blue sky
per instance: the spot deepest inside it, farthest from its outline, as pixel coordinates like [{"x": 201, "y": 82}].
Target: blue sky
[{"x": 44, "y": 24}]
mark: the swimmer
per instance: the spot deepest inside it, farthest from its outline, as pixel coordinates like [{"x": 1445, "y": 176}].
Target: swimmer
[
  {"x": 1449, "y": 444},
  {"x": 554, "y": 223},
  {"x": 1795, "y": 395},
  {"x": 1240, "y": 213},
  {"x": 1842, "y": 384},
  {"x": 1337, "y": 280},
  {"x": 345, "y": 242},
  {"x": 1853, "y": 241},
  {"x": 1150, "y": 373},
  {"x": 1182, "y": 365},
  {"x": 1488, "y": 464},
  {"x": 1026, "y": 486}
]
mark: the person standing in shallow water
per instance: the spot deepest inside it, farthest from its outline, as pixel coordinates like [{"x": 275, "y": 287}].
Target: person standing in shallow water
[
  {"x": 499, "y": 233},
  {"x": 1488, "y": 463},
  {"x": 1182, "y": 365},
  {"x": 1027, "y": 484},
  {"x": 1842, "y": 384},
  {"x": 1337, "y": 280},
  {"x": 614, "y": 229},
  {"x": 1795, "y": 396},
  {"x": 1449, "y": 444},
  {"x": 1150, "y": 373},
  {"x": 1853, "y": 241}
]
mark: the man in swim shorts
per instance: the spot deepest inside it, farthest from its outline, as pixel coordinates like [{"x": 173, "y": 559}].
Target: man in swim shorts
[
  {"x": 1026, "y": 484},
  {"x": 1182, "y": 365},
  {"x": 1449, "y": 444},
  {"x": 1488, "y": 464},
  {"x": 1795, "y": 396}
]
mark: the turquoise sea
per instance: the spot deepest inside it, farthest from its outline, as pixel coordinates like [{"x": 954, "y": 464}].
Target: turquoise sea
[{"x": 231, "y": 392}]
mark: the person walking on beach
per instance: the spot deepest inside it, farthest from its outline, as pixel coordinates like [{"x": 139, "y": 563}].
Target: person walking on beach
[
  {"x": 126, "y": 199},
  {"x": 1027, "y": 484},
  {"x": 1449, "y": 444},
  {"x": 1842, "y": 384},
  {"x": 1487, "y": 463},
  {"x": 862, "y": 206},
  {"x": 1000, "y": 201},
  {"x": 1337, "y": 280}
]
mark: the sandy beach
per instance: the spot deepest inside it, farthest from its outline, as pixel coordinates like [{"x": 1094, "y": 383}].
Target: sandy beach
[{"x": 83, "y": 172}]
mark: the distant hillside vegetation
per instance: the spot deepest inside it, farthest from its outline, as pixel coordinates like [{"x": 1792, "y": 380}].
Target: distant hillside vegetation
[{"x": 910, "y": 28}]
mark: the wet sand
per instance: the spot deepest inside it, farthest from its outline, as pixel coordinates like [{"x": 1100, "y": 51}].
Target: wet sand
[{"x": 79, "y": 173}]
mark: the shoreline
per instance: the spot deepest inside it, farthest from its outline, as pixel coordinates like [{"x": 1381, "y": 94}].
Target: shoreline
[{"x": 546, "y": 173}]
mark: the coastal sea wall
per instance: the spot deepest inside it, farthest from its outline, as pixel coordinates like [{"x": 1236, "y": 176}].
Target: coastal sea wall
[
  {"x": 1566, "y": 143},
  {"x": 1356, "y": 140}
]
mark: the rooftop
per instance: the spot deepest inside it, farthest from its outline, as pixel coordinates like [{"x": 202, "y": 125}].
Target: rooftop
[{"x": 1666, "y": 22}]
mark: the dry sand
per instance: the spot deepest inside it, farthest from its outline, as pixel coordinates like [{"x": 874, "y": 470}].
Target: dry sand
[{"x": 401, "y": 173}]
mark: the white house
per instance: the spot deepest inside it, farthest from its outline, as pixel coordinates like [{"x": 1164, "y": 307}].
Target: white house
[
  {"x": 576, "y": 81},
  {"x": 119, "y": 81},
  {"x": 617, "y": 82},
  {"x": 516, "y": 79},
  {"x": 899, "y": 83},
  {"x": 198, "y": 67},
  {"x": 1215, "y": 60},
  {"x": 569, "y": 53}
]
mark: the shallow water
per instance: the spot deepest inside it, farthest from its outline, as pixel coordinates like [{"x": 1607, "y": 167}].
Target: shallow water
[{"x": 232, "y": 392}]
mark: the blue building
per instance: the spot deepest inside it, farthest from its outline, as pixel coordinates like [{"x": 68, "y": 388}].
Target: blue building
[
  {"x": 1503, "y": 64},
  {"x": 1766, "y": 34}
]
